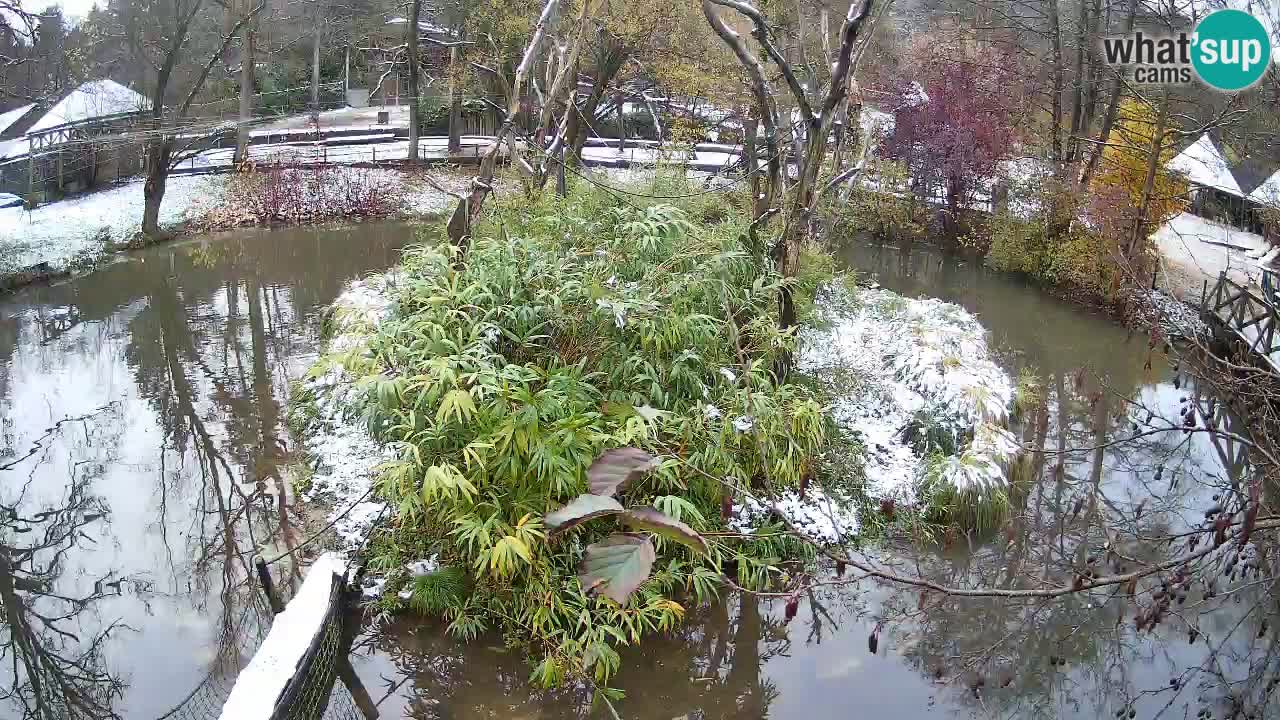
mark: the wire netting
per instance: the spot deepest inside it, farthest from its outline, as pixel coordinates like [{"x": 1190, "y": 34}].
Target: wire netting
[{"x": 314, "y": 693}]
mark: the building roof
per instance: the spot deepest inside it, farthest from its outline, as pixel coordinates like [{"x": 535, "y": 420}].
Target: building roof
[
  {"x": 95, "y": 99},
  {"x": 10, "y": 117},
  {"x": 1268, "y": 193},
  {"x": 1203, "y": 165}
]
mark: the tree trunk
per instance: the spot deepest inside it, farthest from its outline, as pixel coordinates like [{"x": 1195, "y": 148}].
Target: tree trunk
[
  {"x": 315, "y": 70},
  {"x": 1055, "y": 41},
  {"x": 455, "y": 100},
  {"x": 1113, "y": 106},
  {"x": 622, "y": 123},
  {"x": 1140, "y": 224},
  {"x": 246, "y": 94},
  {"x": 411, "y": 40},
  {"x": 158, "y": 153},
  {"x": 577, "y": 129}
]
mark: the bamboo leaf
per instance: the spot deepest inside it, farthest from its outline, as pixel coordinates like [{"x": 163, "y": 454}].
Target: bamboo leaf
[
  {"x": 617, "y": 467},
  {"x": 579, "y": 510},
  {"x": 647, "y": 518},
  {"x": 617, "y": 565}
]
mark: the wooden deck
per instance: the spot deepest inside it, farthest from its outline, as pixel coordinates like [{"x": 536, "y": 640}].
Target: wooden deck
[{"x": 1246, "y": 315}]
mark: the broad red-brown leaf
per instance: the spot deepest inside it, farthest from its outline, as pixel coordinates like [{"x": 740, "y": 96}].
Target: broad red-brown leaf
[
  {"x": 617, "y": 467},
  {"x": 647, "y": 518},
  {"x": 617, "y": 565},
  {"x": 580, "y": 510}
]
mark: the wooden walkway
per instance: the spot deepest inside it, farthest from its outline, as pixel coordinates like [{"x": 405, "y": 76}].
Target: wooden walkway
[{"x": 1246, "y": 315}]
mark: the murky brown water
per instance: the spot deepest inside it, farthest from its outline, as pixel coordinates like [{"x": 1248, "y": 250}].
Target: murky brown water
[
  {"x": 131, "y": 526},
  {"x": 141, "y": 512}
]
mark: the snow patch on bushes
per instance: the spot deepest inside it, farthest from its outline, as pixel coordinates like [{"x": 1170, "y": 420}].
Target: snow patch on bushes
[
  {"x": 907, "y": 370},
  {"x": 825, "y": 518},
  {"x": 346, "y": 455}
]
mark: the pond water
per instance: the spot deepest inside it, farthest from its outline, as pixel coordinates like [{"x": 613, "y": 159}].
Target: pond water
[
  {"x": 133, "y": 523},
  {"x": 169, "y": 372}
]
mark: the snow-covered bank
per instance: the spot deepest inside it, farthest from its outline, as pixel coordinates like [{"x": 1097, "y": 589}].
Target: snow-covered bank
[
  {"x": 1194, "y": 250},
  {"x": 918, "y": 377},
  {"x": 83, "y": 227},
  {"x": 77, "y": 231},
  {"x": 326, "y": 406}
]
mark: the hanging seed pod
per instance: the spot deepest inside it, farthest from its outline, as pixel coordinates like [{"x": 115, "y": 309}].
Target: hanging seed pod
[
  {"x": 1220, "y": 530},
  {"x": 1251, "y": 514},
  {"x": 792, "y": 607},
  {"x": 873, "y": 641},
  {"x": 1075, "y": 510}
]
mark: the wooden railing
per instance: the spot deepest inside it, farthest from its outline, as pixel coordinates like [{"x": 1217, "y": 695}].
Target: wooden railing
[{"x": 1247, "y": 314}]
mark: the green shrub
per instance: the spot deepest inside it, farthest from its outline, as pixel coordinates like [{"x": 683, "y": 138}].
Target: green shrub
[{"x": 572, "y": 326}]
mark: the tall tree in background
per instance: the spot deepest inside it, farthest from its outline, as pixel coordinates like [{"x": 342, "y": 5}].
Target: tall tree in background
[
  {"x": 247, "y": 86},
  {"x": 816, "y": 117},
  {"x": 166, "y": 35}
]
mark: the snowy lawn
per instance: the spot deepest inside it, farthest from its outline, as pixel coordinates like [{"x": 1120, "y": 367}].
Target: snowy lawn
[
  {"x": 1194, "y": 250},
  {"x": 79, "y": 228}
]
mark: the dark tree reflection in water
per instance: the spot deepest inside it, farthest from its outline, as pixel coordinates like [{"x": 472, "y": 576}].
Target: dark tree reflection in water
[
  {"x": 52, "y": 664},
  {"x": 193, "y": 345}
]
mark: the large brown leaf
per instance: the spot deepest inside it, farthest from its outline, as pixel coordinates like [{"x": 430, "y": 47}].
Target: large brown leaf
[
  {"x": 617, "y": 565},
  {"x": 617, "y": 467},
  {"x": 647, "y": 518},
  {"x": 580, "y": 510}
]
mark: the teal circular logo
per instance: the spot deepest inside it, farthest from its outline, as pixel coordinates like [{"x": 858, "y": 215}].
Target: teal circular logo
[{"x": 1231, "y": 50}]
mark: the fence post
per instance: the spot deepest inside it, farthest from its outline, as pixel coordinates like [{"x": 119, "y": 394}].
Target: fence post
[{"x": 268, "y": 588}]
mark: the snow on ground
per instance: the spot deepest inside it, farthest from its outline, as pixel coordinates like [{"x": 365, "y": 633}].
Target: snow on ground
[
  {"x": 345, "y": 454},
  {"x": 1195, "y": 250},
  {"x": 78, "y": 227},
  {"x": 1175, "y": 317},
  {"x": 260, "y": 684}
]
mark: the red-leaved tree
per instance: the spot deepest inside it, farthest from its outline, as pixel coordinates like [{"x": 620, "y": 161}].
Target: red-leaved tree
[{"x": 954, "y": 122}]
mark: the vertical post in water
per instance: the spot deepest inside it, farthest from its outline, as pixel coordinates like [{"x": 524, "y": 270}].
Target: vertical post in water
[{"x": 268, "y": 588}]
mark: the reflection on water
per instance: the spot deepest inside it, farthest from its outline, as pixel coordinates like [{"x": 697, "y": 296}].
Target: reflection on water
[
  {"x": 142, "y": 450},
  {"x": 143, "y": 460},
  {"x": 1081, "y": 656}
]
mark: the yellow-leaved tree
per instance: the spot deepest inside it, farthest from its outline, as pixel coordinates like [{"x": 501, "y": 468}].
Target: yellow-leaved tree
[{"x": 1146, "y": 196}]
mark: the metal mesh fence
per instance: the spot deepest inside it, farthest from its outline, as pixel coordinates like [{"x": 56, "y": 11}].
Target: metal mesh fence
[{"x": 313, "y": 693}]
